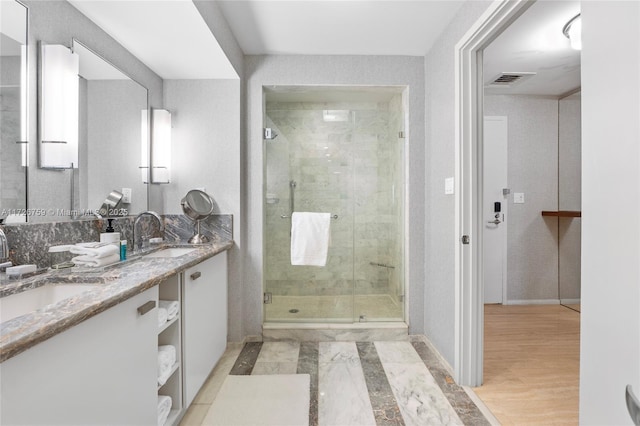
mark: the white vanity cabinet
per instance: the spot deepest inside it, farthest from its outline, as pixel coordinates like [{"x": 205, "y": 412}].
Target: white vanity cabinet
[
  {"x": 205, "y": 321},
  {"x": 101, "y": 371}
]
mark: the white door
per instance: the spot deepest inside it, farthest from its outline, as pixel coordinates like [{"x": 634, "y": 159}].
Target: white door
[{"x": 494, "y": 215}]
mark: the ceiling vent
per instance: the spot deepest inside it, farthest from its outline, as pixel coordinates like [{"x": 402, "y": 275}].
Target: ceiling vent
[{"x": 510, "y": 79}]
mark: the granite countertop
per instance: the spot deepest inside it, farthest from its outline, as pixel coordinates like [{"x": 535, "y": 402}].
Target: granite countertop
[{"x": 113, "y": 284}]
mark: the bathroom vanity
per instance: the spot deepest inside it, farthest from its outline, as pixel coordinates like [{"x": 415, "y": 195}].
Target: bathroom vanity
[{"x": 93, "y": 358}]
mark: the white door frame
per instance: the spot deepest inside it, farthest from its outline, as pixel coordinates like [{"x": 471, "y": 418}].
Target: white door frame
[{"x": 469, "y": 295}]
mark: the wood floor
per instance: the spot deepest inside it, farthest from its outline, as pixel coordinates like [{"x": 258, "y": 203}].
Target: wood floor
[{"x": 531, "y": 364}]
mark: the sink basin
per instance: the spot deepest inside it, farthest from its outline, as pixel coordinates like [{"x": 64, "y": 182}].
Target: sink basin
[
  {"x": 171, "y": 252},
  {"x": 28, "y": 301}
]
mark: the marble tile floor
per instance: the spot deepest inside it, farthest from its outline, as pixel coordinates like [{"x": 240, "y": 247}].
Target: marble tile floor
[
  {"x": 378, "y": 307},
  {"x": 352, "y": 383}
]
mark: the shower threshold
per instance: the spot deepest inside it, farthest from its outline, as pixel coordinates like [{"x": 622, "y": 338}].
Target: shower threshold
[
  {"x": 335, "y": 332},
  {"x": 331, "y": 318},
  {"x": 334, "y": 308}
]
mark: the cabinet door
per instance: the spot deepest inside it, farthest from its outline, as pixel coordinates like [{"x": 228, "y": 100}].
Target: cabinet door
[
  {"x": 205, "y": 321},
  {"x": 101, "y": 371}
]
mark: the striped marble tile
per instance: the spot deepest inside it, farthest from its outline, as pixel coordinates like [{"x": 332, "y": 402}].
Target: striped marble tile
[
  {"x": 343, "y": 394},
  {"x": 418, "y": 395},
  {"x": 277, "y": 358},
  {"x": 385, "y": 408},
  {"x": 464, "y": 406},
  {"x": 247, "y": 359},
  {"x": 308, "y": 364}
]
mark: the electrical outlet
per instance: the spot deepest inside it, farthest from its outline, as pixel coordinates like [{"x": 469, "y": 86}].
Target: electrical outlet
[{"x": 126, "y": 195}]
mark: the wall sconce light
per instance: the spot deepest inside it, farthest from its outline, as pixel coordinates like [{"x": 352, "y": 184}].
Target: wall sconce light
[
  {"x": 160, "y": 124},
  {"x": 59, "y": 96},
  {"x": 573, "y": 31}
]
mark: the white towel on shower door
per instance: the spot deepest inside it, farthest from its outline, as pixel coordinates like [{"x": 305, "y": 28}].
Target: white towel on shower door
[{"x": 310, "y": 238}]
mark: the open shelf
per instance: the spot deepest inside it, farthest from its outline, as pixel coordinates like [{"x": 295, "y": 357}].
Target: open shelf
[
  {"x": 168, "y": 324},
  {"x": 562, "y": 213},
  {"x": 170, "y": 333},
  {"x": 173, "y": 370}
]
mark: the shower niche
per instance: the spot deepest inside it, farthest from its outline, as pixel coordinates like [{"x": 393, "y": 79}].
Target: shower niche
[{"x": 337, "y": 150}]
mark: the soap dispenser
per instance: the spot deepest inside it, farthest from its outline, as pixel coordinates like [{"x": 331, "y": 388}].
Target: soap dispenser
[{"x": 109, "y": 236}]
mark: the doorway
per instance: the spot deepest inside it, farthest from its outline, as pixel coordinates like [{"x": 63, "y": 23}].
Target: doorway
[{"x": 470, "y": 224}]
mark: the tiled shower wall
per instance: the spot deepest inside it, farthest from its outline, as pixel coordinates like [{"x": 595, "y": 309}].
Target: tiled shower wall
[{"x": 350, "y": 168}]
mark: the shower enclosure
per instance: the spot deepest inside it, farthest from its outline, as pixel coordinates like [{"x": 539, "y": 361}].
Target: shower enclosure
[{"x": 337, "y": 150}]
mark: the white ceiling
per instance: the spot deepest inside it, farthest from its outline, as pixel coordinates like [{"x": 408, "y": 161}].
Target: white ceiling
[
  {"x": 338, "y": 27},
  {"x": 170, "y": 37},
  {"x": 535, "y": 43}
]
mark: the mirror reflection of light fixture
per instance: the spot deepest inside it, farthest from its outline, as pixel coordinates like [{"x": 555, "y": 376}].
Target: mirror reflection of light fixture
[
  {"x": 24, "y": 110},
  {"x": 160, "y": 123},
  {"x": 573, "y": 31},
  {"x": 59, "y": 96}
]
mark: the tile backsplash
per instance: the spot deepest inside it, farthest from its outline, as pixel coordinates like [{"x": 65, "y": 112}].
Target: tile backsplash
[{"x": 29, "y": 242}]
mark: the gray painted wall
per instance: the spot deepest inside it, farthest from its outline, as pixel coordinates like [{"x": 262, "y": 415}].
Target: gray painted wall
[
  {"x": 57, "y": 22},
  {"x": 532, "y": 240},
  {"x": 327, "y": 70},
  {"x": 219, "y": 26},
  {"x": 205, "y": 134},
  {"x": 439, "y": 163},
  {"x": 569, "y": 194}
]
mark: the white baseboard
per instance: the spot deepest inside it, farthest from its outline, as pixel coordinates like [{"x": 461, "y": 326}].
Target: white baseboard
[
  {"x": 570, "y": 301},
  {"x": 533, "y": 302}
]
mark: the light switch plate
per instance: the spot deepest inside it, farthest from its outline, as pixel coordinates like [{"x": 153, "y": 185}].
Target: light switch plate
[
  {"x": 126, "y": 195},
  {"x": 448, "y": 186},
  {"x": 518, "y": 197}
]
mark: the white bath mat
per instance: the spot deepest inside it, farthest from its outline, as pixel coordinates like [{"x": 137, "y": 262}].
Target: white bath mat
[{"x": 271, "y": 400}]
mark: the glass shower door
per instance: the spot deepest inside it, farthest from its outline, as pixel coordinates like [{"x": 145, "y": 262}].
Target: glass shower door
[
  {"x": 345, "y": 158},
  {"x": 379, "y": 215},
  {"x": 309, "y": 168}
]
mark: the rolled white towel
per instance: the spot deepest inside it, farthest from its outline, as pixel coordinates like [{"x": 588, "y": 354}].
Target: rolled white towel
[
  {"x": 162, "y": 316},
  {"x": 172, "y": 307},
  {"x": 164, "y": 408},
  {"x": 163, "y": 375},
  {"x": 166, "y": 360},
  {"x": 95, "y": 252},
  {"x": 95, "y": 262}
]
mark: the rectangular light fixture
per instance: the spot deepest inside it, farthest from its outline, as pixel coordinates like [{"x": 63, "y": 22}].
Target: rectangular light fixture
[
  {"x": 160, "y": 146},
  {"x": 59, "y": 96}
]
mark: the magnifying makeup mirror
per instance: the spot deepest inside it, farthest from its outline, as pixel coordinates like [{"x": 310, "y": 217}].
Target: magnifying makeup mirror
[{"x": 197, "y": 205}]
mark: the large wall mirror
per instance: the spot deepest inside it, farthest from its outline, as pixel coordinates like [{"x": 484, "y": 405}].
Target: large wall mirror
[
  {"x": 74, "y": 174},
  {"x": 13, "y": 108}
]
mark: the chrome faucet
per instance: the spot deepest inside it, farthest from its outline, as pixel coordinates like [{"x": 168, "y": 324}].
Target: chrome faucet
[
  {"x": 135, "y": 223},
  {"x": 4, "y": 247}
]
